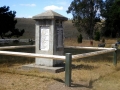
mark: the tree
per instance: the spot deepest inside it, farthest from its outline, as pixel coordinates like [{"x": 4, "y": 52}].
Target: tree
[
  {"x": 85, "y": 14},
  {"x": 8, "y": 22},
  {"x": 112, "y": 18}
]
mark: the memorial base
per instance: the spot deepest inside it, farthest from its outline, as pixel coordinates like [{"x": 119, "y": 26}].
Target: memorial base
[
  {"x": 56, "y": 69},
  {"x": 48, "y": 62}
]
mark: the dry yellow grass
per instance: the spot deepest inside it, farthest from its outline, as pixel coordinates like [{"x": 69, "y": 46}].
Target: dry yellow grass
[
  {"x": 86, "y": 43},
  {"x": 109, "y": 82},
  {"x": 98, "y": 73}
]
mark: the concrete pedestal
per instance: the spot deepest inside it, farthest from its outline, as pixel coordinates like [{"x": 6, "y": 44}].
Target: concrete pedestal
[
  {"x": 49, "y": 37},
  {"x": 40, "y": 68}
]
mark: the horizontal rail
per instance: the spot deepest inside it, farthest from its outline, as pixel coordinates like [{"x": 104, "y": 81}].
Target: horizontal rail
[
  {"x": 57, "y": 57},
  {"x": 78, "y": 47},
  {"x": 92, "y": 53},
  {"x": 15, "y": 47},
  {"x": 28, "y": 46}
]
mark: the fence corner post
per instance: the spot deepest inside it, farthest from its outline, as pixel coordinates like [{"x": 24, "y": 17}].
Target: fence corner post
[
  {"x": 115, "y": 56},
  {"x": 68, "y": 69}
]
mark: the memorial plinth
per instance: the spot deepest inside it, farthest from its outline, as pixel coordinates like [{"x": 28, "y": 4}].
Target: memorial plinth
[{"x": 49, "y": 37}]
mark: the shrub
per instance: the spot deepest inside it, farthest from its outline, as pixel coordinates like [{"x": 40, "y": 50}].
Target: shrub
[
  {"x": 97, "y": 36},
  {"x": 118, "y": 40},
  {"x": 31, "y": 41},
  {"x": 16, "y": 41},
  {"x": 79, "y": 39},
  {"x": 103, "y": 40}
]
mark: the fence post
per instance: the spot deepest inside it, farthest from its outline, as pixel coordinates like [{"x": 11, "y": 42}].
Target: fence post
[
  {"x": 68, "y": 69},
  {"x": 115, "y": 57}
]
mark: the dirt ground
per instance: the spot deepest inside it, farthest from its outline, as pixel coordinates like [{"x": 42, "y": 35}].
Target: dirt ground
[
  {"x": 75, "y": 86},
  {"x": 22, "y": 82}
]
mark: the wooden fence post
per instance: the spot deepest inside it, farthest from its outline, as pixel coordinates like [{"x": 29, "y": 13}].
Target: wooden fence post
[{"x": 68, "y": 69}]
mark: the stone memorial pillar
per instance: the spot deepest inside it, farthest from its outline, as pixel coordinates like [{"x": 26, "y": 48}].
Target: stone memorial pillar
[{"x": 49, "y": 37}]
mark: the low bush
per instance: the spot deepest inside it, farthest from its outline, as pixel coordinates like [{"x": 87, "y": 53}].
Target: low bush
[
  {"x": 79, "y": 39},
  {"x": 97, "y": 36},
  {"x": 16, "y": 41}
]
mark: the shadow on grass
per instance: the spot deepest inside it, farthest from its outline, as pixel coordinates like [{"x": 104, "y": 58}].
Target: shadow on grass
[
  {"x": 82, "y": 84},
  {"x": 59, "y": 80},
  {"x": 10, "y": 60},
  {"x": 85, "y": 67},
  {"x": 85, "y": 84}
]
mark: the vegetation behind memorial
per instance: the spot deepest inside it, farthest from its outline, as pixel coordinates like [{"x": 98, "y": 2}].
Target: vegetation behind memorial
[
  {"x": 85, "y": 14},
  {"x": 112, "y": 18},
  {"x": 8, "y": 22}
]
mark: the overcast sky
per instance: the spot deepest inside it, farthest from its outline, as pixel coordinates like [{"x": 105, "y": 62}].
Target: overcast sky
[{"x": 29, "y": 8}]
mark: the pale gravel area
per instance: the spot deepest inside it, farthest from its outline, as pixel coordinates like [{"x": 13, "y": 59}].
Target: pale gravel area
[
  {"x": 61, "y": 86},
  {"x": 10, "y": 81}
]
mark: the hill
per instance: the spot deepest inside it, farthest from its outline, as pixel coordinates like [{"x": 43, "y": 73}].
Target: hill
[
  {"x": 29, "y": 25},
  {"x": 70, "y": 31}
]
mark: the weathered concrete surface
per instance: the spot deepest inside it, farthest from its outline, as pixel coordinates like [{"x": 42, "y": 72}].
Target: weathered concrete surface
[
  {"x": 49, "y": 37},
  {"x": 56, "y": 69},
  {"x": 49, "y": 15}
]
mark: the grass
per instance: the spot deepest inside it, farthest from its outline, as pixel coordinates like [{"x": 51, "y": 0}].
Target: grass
[
  {"x": 97, "y": 72},
  {"x": 111, "y": 82},
  {"x": 73, "y": 42}
]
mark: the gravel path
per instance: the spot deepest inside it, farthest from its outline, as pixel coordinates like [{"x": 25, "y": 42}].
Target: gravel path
[{"x": 79, "y": 86}]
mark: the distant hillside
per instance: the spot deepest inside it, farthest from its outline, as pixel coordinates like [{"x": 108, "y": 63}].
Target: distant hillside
[
  {"x": 29, "y": 25},
  {"x": 70, "y": 31}
]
